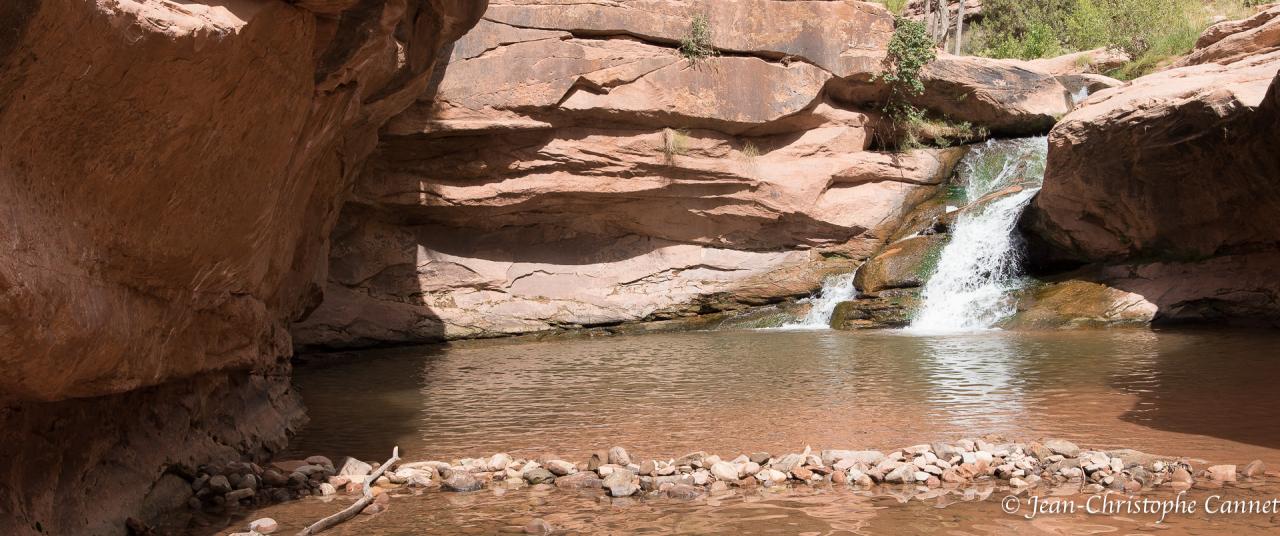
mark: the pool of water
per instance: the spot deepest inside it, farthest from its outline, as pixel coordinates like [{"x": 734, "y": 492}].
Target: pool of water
[{"x": 1206, "y": 394}]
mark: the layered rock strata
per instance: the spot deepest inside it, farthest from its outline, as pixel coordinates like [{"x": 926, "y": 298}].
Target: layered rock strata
[
  {"x": 168, "y": 180},
  {"x": 573, "y": 169}
]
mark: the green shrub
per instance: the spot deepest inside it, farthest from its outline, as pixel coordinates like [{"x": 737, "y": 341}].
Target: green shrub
[
  {"x": 909, "y": 51},
  {"x": 1149, "y": 31},
  {"x": 894, "y": 6},
  {"x": 696, "y": 45}
]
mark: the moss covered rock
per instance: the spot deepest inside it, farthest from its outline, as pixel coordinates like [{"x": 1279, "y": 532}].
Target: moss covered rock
[
  {"x": 1079, "y": 304},
  {"x": 903, "y": 264},
  {"x": 892, "y": 311}
]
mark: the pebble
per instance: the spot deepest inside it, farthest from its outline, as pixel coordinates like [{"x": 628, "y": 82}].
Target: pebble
[
  {"x": 1254, "y": 468},
  {"x": 1222, "y": 473},
  {"x": 539, "y": 476},
  {"x": 219, "y": 484},
  {"x": 354, "y": 467},
  {"x": 683, "y": 492},
  {"x": 238, "y": 495},
  {"x": 561, "y": 467},
  {"x": 618, "y": 456},
  {"x": 264, "y": 525},
  {"x": 583, "y": 480},
  {"x": 621, "y": 483},
  {"x": 724, "y": 471},
  {"x": 462, "y": 481},
  {"x": 538, "y": 526},
  {"x": 499, "y": 462}
]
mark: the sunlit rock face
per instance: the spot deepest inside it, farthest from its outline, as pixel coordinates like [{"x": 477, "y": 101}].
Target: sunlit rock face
[
  {"x": 169, "y": 177},
  {"x": 571, "y": 168},
  {"x": 1163, "y": 185}
]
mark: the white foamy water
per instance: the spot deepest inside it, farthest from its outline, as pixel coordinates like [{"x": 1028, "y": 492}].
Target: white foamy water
[
  {"x": 1080, "y": 95},
  {"x": 980, "y": 266},
  {"x": 835, "y": 289}
]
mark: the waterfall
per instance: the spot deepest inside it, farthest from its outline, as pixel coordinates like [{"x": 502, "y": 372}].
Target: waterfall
[
  {"x": 835, "y": 289},
  {"x": 1079, "y": 95},
  {"x": 980, "y": 265}
]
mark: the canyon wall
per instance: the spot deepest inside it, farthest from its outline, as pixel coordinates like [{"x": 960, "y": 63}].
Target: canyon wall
[
  {"x": 1168, "y": 186},
  {"x": 169, "y": 175},
  {"x": 572, "y": 168}
]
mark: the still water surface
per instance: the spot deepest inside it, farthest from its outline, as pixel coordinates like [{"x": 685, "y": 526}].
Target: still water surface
[
  {"x": 1203, "y": 394},
  {"x": 1209, "y": 394}
]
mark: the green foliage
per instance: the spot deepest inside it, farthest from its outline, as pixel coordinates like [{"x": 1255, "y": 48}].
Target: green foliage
[
  {"x": 696, "y": 45},
  {"x": 909, "y": 51},
  {"x": 1038, "y": 41},
  {"x": 894, "y": 6},
  {"x": 1149, "y": 31}
]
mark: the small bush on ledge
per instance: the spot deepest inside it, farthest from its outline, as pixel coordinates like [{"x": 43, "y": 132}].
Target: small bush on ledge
[
  {"x": 910, "y": 50},
  {"x": 696, "y": 45}
]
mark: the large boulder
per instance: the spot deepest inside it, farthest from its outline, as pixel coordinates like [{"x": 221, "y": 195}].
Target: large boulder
[
  {"x": 1079, "y": 304},
  {"x": 893, "y": 309},
  {"x": 1176, "y": 164},
  {"x": 1005, "y": 96},
  {"x": 904, "y": 264},
  {"x": 1161, "y": 184},
  {"x": 1230, "y": 41}
]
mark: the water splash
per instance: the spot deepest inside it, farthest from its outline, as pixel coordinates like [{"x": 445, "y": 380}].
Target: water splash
[
  {"x": 835, "y": 289},
  {"x": 1080, "y": 95},
  {"x": 981, "y": 265}
]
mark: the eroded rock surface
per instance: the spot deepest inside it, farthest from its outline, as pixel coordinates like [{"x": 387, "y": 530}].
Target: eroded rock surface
[
  {"x": 1231, "y": 41},
  {"x": 572, "y": 169},
  {"x": 1168, "y": 180},
  {"x": 168, "y": 179}
]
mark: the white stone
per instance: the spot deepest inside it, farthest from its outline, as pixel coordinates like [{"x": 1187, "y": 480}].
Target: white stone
[
  {"x": 723, "y": 471},
  {"x": 499, "y": 461}
]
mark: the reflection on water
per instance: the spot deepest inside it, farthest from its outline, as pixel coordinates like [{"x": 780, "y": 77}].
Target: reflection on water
[
  {"x": 664, "y": 395},
  {"x": 1202, "y": 394}
]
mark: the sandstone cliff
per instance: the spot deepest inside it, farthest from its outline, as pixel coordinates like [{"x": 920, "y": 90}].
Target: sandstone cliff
[
  {"x": 1167, "y": 186},
  {"x": 169, "y": 174},
  {"x": 573, "y": 169}
]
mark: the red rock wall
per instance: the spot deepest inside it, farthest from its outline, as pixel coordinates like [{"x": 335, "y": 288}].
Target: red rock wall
[
  {"x": 169, "y": 174},
  {"x": 573, "y": 169}
]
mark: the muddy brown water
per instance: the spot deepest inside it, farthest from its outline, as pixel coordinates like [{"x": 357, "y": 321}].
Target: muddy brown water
[{"x": 1207, "y": 394}]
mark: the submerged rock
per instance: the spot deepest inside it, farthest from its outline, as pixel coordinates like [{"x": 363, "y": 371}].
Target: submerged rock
[{"x": 462, "y": 481}]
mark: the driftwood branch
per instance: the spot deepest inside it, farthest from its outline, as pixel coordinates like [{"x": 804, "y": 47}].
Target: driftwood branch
[{"x": 355, "y": 508}]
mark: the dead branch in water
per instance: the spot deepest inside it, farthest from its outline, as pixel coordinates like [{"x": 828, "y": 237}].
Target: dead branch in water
[{"x": 355, "y": 508}]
